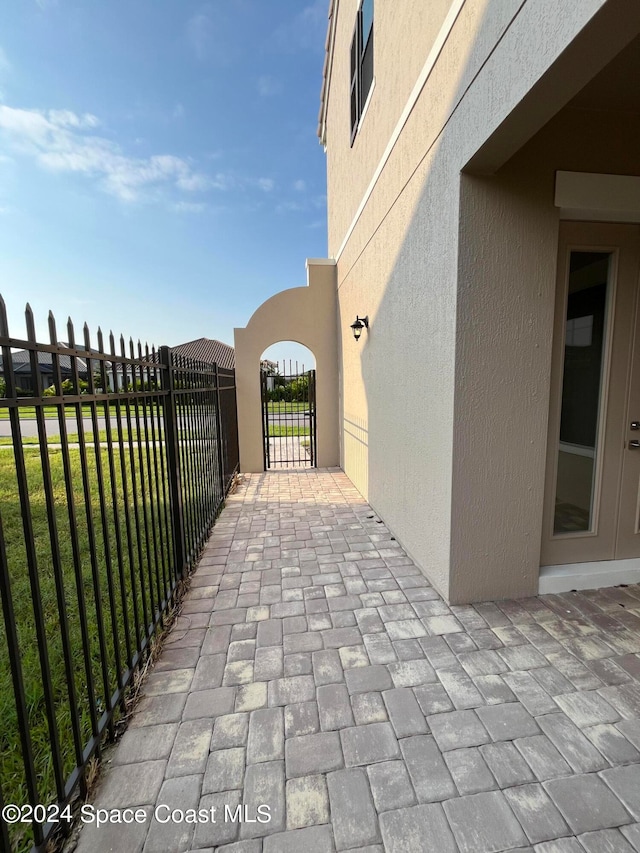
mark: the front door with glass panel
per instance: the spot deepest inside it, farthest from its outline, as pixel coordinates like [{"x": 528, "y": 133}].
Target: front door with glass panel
[{"x": 592, "y": 499}]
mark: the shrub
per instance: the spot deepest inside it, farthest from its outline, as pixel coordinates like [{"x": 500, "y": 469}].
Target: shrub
[{"x": 145, "y": 386}]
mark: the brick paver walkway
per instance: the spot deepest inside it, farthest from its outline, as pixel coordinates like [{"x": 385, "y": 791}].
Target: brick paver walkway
[
  {"x": 283, "y": 449},
  {"x": 316, "y": 672}
]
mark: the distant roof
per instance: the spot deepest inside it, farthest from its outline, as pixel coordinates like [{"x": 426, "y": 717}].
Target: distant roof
[
  {"x": 210, "y": 351},
  {"x": 22, "y": 361}
]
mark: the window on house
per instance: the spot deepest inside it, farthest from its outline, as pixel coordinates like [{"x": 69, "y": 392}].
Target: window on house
[{"x": 361, "y": 63}]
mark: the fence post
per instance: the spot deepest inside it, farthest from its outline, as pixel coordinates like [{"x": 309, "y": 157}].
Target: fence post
[
  {"x": 266, "y": 448},
  {"x": 173, "y": 464},
  {"x": 221, "y": 455}
]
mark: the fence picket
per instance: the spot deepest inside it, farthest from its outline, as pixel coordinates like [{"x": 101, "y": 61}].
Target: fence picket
[{"x": 97, "y": 594}]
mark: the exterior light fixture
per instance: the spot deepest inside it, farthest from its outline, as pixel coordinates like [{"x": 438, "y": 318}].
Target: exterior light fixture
[{"x": 360, "y": 324}]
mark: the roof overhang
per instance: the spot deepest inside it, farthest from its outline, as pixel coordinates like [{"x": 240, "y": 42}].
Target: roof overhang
[{"x": 326, "y": 71}]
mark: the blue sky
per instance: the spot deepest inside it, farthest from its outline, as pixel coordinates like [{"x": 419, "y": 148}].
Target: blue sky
[{"x": 160, "y": 173}]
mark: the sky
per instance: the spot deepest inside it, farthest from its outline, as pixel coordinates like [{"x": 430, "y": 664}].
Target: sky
[{"x": 160, "y": 173}]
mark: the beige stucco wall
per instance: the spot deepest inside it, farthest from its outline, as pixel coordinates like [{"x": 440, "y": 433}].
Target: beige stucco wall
[
  {"x": 306, "y": 315},
  {"x": 505, "y": 308},
  {"x": 415, "y": 434},
  {"x": 394, "y": 81}
]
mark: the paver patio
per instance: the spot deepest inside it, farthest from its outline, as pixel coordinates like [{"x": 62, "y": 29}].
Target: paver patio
[
  {"x": 315, "y": 671},
  {"x": 285, "y": 448}
]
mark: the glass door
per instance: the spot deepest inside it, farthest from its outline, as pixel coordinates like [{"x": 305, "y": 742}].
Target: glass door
[{"x": 593, "y": 473}]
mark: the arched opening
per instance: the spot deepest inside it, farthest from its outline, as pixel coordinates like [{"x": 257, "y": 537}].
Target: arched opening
[
  {"x": 288, "y": 393},
  {"x": 307, "y": 315}
]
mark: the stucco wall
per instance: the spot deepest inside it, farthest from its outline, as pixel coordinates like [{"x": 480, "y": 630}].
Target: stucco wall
[
  {"x": 401, "y": 266},
  {"x": 506, "y": 294},
  {"x": 393, "y": 83},
  {"x": 306, "y": 315}
]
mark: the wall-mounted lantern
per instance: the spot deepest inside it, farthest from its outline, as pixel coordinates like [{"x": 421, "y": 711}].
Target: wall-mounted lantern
[{"x": 360, "y": 324}]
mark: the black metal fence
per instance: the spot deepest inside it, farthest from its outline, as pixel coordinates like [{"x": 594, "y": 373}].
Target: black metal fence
[{"x": 111, "y": 478}]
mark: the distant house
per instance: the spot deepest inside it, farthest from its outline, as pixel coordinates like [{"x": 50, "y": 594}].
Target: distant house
[
  {"x": 202, "y": 349},
  {"x": 22, "y": 368},
  {"x": 209, "y": 351},
  {"x": 270, "y": 369}
]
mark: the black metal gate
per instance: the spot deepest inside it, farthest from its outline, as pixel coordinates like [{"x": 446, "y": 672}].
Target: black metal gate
[{"x": 288, "y": 415}]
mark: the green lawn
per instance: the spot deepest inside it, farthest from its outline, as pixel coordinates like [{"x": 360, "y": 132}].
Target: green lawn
[
  {"x": 73, "y": 437},
  {"x": 288, "y": 407},
  {"x": 139, "y": 559},
  {"x": 277, "y": 431},
  {"x": 52, "y": 411}
]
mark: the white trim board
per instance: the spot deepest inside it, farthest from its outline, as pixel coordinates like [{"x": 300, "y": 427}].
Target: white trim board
[
  {"x": 320, "y": 262},
  {"x": 366, "y": 106},
  {"x": 596, "y": 575},
  {"x": 598, "y": 197}
]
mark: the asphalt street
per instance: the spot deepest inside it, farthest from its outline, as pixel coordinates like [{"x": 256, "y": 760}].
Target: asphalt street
[{"x": 29, "y": 426}]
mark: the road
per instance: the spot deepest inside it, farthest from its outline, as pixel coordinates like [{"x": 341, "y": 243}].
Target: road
[
  {"x": 29, "y": 426},
  {"x": 289, "y": 418}
]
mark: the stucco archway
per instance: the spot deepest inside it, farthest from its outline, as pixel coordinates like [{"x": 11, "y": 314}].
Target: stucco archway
[{"x": 307, "y": 315}]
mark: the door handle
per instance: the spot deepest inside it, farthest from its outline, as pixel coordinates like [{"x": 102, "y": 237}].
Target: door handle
[
  {"x": 634, "y": 444},
  {"x": 634, "y": 425}
]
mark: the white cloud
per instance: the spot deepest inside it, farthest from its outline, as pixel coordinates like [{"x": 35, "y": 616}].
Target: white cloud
[
  {"x": 5, "y": 65},
  {"x": 5, "y": 70},
  {"x": 289, "y": 207},
  {"x": 268, "y": 86},
  {"x": 266, "y": 184},
  {"x": 66, "y": 118},
  {"x": 305, "y": 31},
  {"x": 46, "y": 4},
  {"x": 303, "y": 204},
  {"x": 200, "y": 31},
  {"x": 223, "y": 181},
  {"x": 189, "y": 207},
  {"x": 178, "y": 111},
  {"x": 57, "y": 141}
]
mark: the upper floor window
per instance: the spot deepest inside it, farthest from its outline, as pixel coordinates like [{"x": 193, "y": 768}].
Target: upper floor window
[{"x": 361, "y": 63}]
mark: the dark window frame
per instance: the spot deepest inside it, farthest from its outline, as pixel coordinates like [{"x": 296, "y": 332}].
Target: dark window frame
[{"x": 361, "y": 67}]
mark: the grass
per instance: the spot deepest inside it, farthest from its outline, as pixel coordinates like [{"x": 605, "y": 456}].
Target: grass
[
  {"x": 89, "y": 437},
  {"x": 73, "y": 437},
  {"x": 288, "y": 407},
  {"x": 276, "y": 430},
  {"x": 142, "y": 561},
  {"x": 29, "y": 412}
]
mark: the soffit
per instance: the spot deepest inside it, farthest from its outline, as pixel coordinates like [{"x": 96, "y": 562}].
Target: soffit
[{"x": 616, "y": 88}]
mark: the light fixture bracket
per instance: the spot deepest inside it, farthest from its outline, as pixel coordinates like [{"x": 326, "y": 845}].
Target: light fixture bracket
[{"x": 359, "y": 324}]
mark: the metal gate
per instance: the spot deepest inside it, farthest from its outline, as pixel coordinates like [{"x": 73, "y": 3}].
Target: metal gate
[{"x": 288, "y": 415}]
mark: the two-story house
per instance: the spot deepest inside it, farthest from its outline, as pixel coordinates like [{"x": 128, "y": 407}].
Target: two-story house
[{"x": 484, "y": 216}]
